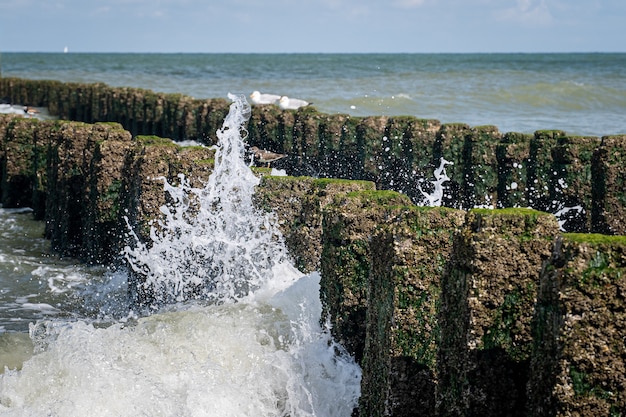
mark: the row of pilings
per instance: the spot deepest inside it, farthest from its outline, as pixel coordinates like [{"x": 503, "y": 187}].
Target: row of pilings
[
  {"x": 580, "y": 177},
  {"x": 448, "y": 312}
]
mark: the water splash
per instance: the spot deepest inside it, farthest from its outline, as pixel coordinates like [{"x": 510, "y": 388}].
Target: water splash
[
  {"x": 563, "y": 215},
  {"x": 265, "y": 355},
  {"x": 435, "y": 198},
  {"x": 212, "y": 243}
]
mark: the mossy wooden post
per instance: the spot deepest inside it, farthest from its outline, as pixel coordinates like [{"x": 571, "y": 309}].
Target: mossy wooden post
[
  {"x": 104, "y": 227},
  {"x": 118, "y": 105},
  {"x": 264, "y": 128},
  {"x": 99, "y": 102},
  {"x": 152, "y": 158},
  {"x": 370, "y": 132},
  {"x": 170, "y": 104},
  {"x": 70, "y": 157},
  {"x": 406, "y": 155},
  {"x": 6, "y": 120},
  {"x": 541, "y": 174},
  {"x": 218, "y": 110},
  {"x": 480, "y": 164},
  {"x": 306, "y": 137},
  {"x": 394, "y": 156},
  {"x": 336, "y": 154},
  {"x": 19, "y": 173},
  {"x": 83, "y": 103},
  {"x": 572, "y": 185},
  {"x": 187, "y": 110},
  {"x": 298, "y": 203},
  {"x": 609, "y": 186},
  {"x": 56, "y": 99},
  {"x": 136, "y": 111},
  {"x": 419, "y": 138},
  {"x": 513, "y": 153},
  {"x": 147, "y": 125},
  {"x": 578, "y": 363},
  {"x": 348, "y": 224},
  {"x": 451, "y": 145},
  {"x": 488, "y": 296},
  {"x": 408, "y": 257}
]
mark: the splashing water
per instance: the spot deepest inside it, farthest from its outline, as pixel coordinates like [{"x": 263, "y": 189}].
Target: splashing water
[
  {"x": 246, "y": 342},
  {"x": 563, "y": 215},
  {"x": 212, "y": 243},
  {"x": 434, "y": 198}
]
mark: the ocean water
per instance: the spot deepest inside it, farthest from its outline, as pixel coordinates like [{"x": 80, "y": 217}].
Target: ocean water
[
  {"x": 248, "y": 343},
  {"x": 582, "y": 94}
]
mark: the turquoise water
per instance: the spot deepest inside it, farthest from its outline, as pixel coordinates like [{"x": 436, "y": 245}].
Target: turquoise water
[{"x": 583, "y": 94}]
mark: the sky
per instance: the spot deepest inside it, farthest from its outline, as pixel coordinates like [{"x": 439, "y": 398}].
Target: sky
[{"x": 288, "y": 26}]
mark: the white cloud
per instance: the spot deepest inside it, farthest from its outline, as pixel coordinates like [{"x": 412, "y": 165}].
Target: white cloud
[{"x": 527, "y": 11}]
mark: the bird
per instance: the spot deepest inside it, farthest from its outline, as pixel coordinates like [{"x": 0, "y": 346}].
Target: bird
[
  {"x": 31, "y": 111},
  {"x": 287, "y": 103},
  {"x": 266, "y": 157},
  {"x": 258, "y": 98}
]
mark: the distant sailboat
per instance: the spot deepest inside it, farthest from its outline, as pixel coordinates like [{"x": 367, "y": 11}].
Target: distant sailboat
[{"x": 65, "y": 50}]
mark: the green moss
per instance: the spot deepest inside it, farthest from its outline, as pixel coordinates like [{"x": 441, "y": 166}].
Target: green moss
[
  {"x": 418, "y": 341},
  {"x": 550, "y": 133},
  {"x": 112, "y": 195},
  {"x": 455, "y": 125},
  {"x": 207, "y": 162},
  {"x": 151, "y": 140},
  {"x": 604, "y": 267},
  {"x": 513, "y": 211},
  {"x": 323, "y": 183},
  {"x": 595, "y": 239},
  {"x": 382, "y": 197},
  {"x": 506, "y": 318},
  {"x": 584, "y": 388},
  {"x": 115, "y": 125},
  {"x": 489, "y": 128}
]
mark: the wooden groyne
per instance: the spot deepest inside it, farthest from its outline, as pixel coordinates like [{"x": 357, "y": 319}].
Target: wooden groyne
[
  {"x": 548, "y": 170},
  {"x": 449, "y": 312}
]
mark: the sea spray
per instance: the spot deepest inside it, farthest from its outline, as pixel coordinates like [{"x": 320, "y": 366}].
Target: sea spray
[
  {"x": 255, "y": 348},
  {"x": 212, "y": 243},
  {"x": 435, "y": 197}
]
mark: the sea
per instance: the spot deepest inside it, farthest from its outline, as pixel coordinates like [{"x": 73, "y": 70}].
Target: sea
[
  {"x": 254, "y": 343},
  {"x": 579, "y": 93}
]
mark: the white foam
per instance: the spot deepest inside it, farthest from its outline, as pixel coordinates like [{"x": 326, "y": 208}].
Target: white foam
[
  {"x": 434, "y": 198},
  {"x": 245, "y": 359},
  {"x": 254, "y": 347}
]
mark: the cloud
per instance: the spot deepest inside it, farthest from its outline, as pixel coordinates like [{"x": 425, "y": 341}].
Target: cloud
[{"x": 527, "y": 12}]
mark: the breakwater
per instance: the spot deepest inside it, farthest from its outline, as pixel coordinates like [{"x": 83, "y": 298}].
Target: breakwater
[
  {"x": 449, "y": 312},
  {"x": 549, "y": 170}
]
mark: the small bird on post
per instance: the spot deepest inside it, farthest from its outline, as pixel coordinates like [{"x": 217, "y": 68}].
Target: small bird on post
[
  {"x": 265, "y": 157},
  {"x": 31, "y": 111}
]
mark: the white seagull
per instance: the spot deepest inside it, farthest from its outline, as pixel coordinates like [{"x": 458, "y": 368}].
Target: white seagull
[
  {"x": 287, "y": 103},
  {"x": 258, "y": 98}
]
